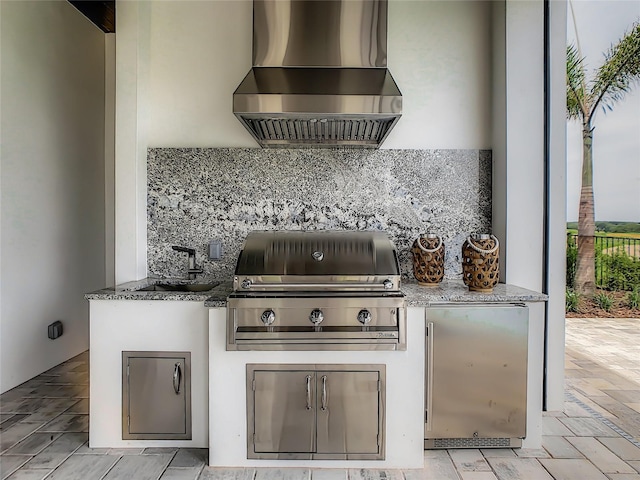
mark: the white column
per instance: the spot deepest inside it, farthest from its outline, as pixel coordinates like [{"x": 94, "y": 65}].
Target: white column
[
  {"x": 109, "y": 154},
  {"x": 556, "y": 237},
  {"x": 518, "y": 209},
  {"x": 132, "y": 68},
  {"x": 518, "y": 171}
]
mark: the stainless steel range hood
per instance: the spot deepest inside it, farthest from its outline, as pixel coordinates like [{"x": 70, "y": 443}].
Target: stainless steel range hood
[{"x": 319, "y": 75}]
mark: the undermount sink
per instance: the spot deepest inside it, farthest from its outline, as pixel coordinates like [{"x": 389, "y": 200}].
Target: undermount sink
[{"x": 179, "y": 287}]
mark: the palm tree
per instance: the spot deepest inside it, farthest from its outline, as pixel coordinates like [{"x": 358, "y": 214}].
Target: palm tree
[{"x": 619, "y": 72}]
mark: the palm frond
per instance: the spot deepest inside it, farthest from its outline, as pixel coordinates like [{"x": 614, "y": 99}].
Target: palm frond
[
  {"x": 575, "y": 84},
  {"x": 619, "y": 72}
]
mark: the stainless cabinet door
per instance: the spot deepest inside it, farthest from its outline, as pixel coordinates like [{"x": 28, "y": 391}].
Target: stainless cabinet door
[
  {"x": 478, "y": 372},
  {"x": 157, "y": 397},
  {"x": 284, "y": 411},
  {"x": 348, "y": 412}
]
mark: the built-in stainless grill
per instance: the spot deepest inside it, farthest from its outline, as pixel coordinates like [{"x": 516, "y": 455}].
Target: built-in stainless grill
[{"x": 320, "y": 290}]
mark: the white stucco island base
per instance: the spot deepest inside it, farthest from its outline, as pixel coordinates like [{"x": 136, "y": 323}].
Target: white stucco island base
[{"x": 404, "y": 411}]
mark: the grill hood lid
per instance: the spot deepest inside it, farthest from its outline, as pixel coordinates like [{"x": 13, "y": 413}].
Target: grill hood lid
[
  {"x": 337, "y": 253},
  {"x": 319, "y": 75}
]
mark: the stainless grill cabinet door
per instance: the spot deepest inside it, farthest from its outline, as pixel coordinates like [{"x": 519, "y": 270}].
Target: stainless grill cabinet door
[
  {"x": 348, "y": 405},
  {"x": 477, "y": 371},
  {"x": 156, "y": 395},
  {"x": 284, "y": 411}
]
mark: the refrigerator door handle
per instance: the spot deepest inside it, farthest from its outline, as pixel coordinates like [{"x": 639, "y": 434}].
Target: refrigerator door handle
[{"x": 429, "y": 383}]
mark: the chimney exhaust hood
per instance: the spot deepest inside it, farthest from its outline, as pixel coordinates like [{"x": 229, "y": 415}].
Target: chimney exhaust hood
[{"x": 319, "y": 76}]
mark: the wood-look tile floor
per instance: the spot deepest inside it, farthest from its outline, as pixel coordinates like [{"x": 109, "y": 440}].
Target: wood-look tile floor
[{"x": 44, "y": 429}]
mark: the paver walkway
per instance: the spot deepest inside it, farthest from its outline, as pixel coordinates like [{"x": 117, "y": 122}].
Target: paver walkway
[{"x": 44, "y": 425}]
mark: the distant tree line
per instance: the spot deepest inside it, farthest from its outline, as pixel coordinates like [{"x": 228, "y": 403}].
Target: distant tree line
[{"x": 611, "y": 227}]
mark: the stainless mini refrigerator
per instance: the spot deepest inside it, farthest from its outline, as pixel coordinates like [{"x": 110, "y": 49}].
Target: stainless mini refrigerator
[{"x": 476, "y": 376}]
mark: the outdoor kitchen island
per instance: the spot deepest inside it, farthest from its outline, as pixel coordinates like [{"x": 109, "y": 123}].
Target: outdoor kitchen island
[
  {"x": 114, "y": 311},
  {"x": 405, "y": 377}
]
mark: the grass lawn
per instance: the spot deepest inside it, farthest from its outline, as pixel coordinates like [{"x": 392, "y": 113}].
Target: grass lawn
[{"x": 608, "y": 234}]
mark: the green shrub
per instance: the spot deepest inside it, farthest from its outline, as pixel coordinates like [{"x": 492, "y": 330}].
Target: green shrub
[
  {"x": 615, "y": 269},
  {"x": 622, "y": 272},
  {"x": 604, "y": 301},
  {"x": 633, "y": 299},
  {"x": 571, "y": 300}
]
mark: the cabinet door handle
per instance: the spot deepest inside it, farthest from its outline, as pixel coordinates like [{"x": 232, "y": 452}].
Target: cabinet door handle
[
  {"x": 177, "y": 376},
  {"x": 429, "y": 399},
  {"x": 308, "y": 392},
  {"x": 323, "y": 399}
]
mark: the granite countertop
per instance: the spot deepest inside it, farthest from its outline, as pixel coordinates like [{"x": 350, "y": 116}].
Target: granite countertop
[
  {"x": 454, "y": 291},
  {"x": 130, "y": 291},
  {"x": 449, "y": 291}
]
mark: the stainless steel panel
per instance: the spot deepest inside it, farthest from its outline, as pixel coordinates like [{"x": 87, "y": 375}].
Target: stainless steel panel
[
  {"x": 319, "y": 75},
  {"x": 320, "y": 83},
  {"x": 283, "y": 421},
  {"x": 338, "y": 311},
  {"x": 340, "y": 329},
  {"x": 479, "y": 372},
  {"x": 323, "y": 253},
  {"x": 348, "y": 418},
  {"x": 156, "y": 395},
  {"x": 325, "y": 33},
  {"x": 352, "y": 422}
]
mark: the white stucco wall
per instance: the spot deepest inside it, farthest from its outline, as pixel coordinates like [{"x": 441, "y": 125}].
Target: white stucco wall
[
  {"x": 438, "y": 52},
  {"x": 52, "y": 186}
]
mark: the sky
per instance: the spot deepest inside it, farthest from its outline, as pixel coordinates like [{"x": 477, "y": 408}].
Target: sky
[{"x": 616, "y": 140}]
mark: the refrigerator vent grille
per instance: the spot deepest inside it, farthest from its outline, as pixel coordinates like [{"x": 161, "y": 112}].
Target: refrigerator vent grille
[{"x": 471, "y": 442}]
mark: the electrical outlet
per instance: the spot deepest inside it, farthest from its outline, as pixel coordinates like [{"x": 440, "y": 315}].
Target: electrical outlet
[
  {"x": 215, "y": 250},
  {"x": 54, "y": 330}
]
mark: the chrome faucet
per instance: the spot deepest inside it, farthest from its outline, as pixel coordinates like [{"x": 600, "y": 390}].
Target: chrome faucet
[{"x": 193, "y": 268}]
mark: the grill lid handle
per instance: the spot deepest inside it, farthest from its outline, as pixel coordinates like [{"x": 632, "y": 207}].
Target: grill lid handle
[{"x": 247, "y": 284}]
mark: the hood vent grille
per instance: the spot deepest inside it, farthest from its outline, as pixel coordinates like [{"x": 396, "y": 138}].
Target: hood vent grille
[
  {"x": 319, "y": 75},
  {"x": 324, "y": 131}
]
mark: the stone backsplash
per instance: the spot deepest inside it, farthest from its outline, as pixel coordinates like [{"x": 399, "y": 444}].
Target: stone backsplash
[{"x": 196, "y": 195}]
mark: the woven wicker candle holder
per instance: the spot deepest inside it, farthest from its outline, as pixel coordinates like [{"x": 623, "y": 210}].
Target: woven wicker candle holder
[
  {"x": 480, "y": 269},
  {"x": 428, "y": 259}
]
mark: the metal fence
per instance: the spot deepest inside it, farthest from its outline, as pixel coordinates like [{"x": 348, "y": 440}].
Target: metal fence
[{"x": 617, "y": 261}]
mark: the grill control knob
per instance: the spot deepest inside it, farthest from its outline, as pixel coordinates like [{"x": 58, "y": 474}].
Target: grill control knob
[
  {"x": 387, "y": 284},
  {"x": 268, "y": 317},
  {"x": 364, "y": 317},
  {"x": 316, "y": 316},
  {"x": 246, "y": 283}
]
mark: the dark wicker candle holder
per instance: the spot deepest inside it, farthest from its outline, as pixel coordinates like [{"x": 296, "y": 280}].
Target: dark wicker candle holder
[
  {"x": 428, "y": 260},
  {"x": 480, "y": 270}
]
